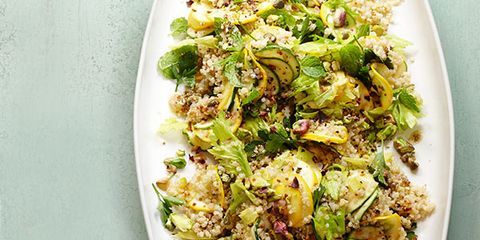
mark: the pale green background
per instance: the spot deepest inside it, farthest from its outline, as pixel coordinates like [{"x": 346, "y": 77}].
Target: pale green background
[{"x": 67, "y": 77}]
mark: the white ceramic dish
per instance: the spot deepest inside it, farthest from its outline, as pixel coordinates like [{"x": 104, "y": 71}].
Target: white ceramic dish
[{"x": 413, "y": 21}]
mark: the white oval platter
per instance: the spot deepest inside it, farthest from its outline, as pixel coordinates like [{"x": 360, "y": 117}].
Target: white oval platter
[{"x": 412, "y": 20}]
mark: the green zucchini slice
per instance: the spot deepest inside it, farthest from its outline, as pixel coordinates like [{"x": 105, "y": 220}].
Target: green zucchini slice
[
  {"x": 284, "y": 54},
  {"x": 279, "y": 67},
  {"x": 273, "y": 83}
]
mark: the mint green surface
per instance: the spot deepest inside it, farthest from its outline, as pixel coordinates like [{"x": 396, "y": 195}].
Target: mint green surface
[{"x": 67, "y": 77}]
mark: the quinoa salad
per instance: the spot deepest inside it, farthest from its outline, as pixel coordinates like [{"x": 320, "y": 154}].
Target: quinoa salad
[{"x": 299, "y": 115}]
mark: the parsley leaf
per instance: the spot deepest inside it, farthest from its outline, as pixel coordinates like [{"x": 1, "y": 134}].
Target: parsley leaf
[
  {"x": 179, "y": 28},
  {"x": 276, "y": 143},
  {"x": 277, "y": 139},
  {"x": 313, "y": 67},
  {"x": 250, "y": 147}
]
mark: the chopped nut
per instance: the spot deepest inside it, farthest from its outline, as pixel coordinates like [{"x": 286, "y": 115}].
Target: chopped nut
[
  {"x": 301, "y": 127},
  {"x": 279, "y": 4},
  {"x": 407, "y": 152},
  {"x": 163, "y": 183},
  {"x": 295, "y": 183}
]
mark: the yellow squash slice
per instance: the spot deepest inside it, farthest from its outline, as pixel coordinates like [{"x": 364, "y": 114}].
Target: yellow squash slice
[
  {"x": 328, "y": 133},
  {"x": 383, "y": 86}
]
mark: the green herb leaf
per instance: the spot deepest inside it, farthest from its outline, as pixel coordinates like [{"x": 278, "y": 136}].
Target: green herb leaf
[
  {"x": 363, "y": 31},
  {"x": 230, "y": 152},
  {"x": 250, "y": 147},
  {"x": 236, "y": 37},
  {"x": 179, "y": 28},
  {"x": 313, "y": 67},
  {"x": 277, "y": 140},
  {"x": 300, "y": 34},
  {"x": 230, "y": 72},
  {"x": 218, "y": 25},
  {"x": 305, "y": 33},
  {"x": 408, "y": 100},
  {"x": 411, "y": 235},
  {"x": 165, "y": 204},
  {"x": 276, "y": 143},
  {"x": 303, "y": 83},
  {"x": 388, "y": 62},
  {"x": 286, "y": 19},
  {"x": 255, "y": 230},
  {"x": 370, "y": 57},
  {"x": 173, "y": 201},
  {"x": 230, "y": 149},
  {"x": 364, "y": 76},
  {"x": 352, "y": 58},
  {"x": 254, "y": 94},
  {"x": 230, "y": 69},
  {"x": 254, "y": 125},
  {"x": 221, "y": 128},
  {"x": 180, "y": 64},
  {"x": 405, "y": 109}
]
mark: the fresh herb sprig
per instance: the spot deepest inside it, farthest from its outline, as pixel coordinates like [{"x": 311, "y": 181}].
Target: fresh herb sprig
[{"x": 165, "y": 204}]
